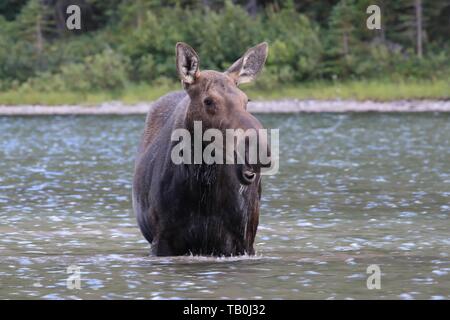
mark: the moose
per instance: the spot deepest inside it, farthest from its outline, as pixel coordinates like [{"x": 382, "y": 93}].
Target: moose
[{"x": 191, "y": 208}]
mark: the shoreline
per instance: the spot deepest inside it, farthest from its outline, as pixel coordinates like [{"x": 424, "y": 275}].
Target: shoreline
[{"x": 269, "y": 106}]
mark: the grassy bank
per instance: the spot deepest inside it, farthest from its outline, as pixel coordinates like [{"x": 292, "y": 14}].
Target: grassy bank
[
  {"x": 351, "y": 90},
  {"x": 360, "y": 90}
]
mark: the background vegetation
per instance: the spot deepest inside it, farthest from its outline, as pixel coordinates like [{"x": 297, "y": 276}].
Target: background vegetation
[{"x": 318, "y": 49}]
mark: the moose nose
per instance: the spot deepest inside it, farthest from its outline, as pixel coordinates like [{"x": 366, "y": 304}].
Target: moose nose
[
  {"x": 255, "y": 142},
  {"x": 261, "y": 157}
]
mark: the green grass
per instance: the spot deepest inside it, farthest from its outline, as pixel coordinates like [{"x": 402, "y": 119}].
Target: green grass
[
  {"x": 360, "y": 90},
  {"x": 357, "y": 90},
  {"x": 131, "y": 94}
]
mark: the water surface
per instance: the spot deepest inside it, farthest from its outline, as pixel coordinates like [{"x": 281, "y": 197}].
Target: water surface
[{"x": 352, "y": 191}]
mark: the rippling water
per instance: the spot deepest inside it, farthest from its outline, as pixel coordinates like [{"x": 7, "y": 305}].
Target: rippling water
[{"x": 353, "y": 190}]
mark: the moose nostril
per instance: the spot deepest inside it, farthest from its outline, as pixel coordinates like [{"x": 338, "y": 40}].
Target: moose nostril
[
  {"x": 249, "y": 175},
  {"x": 246, "y": 175}
]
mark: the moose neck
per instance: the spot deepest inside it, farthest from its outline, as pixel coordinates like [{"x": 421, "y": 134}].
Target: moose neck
[{"x": 213, "y": 183}]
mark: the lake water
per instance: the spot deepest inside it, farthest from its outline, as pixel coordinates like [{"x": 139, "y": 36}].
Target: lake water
[{"x": 353, "y": 190}]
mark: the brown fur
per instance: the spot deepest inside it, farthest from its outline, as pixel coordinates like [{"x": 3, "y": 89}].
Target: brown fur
[{"x": 199, "y": 209}]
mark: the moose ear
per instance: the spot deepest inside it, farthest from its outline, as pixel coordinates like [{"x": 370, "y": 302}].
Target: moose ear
[
  {"x": 187, "y": 63},
  {"x": 250, "y": 64}
]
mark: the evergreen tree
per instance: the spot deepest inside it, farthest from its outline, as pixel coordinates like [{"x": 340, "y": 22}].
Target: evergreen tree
[
  {"x": 437, "y": 16},
  {"x": 342, "y": 25},
  {"x": 408, "y": 24},
  {"x": 33, "y": 23},
  {"x": 308, "y": 39}
]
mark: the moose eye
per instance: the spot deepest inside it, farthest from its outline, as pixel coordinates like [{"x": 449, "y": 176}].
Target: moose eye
[{"x": 208, "y": 102}]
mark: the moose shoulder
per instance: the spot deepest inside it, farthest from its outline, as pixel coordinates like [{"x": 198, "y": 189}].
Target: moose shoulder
[{"x": 200, "y": 209}]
